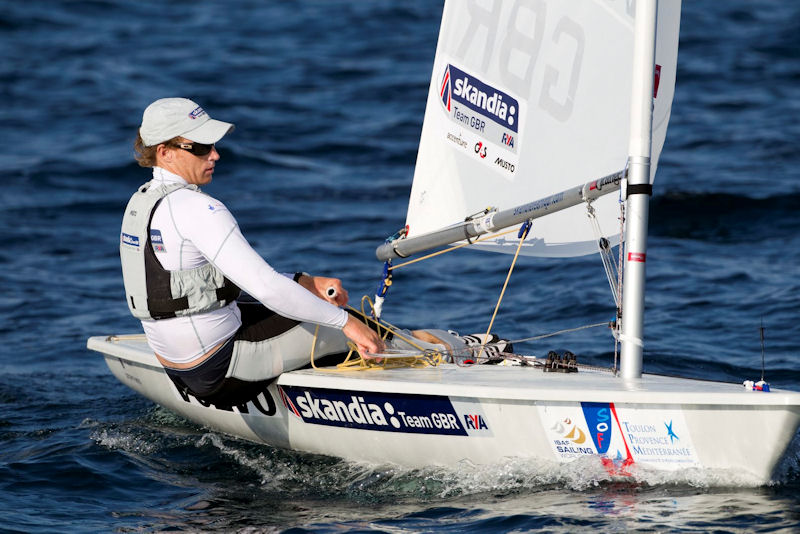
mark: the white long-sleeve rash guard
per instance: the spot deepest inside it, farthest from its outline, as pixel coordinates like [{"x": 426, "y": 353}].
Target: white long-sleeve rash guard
[{"x": 196, "y": 229}]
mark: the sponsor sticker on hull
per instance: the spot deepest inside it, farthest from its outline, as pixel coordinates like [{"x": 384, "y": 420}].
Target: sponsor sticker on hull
[
  {"x": 650, "y": 436},
  {"x": 385, "y": 412},
  {"x": 258, "y": 403}
]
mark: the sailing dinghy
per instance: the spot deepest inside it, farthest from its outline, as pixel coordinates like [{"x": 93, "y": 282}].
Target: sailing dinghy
[{"x": 554, "y": 104}]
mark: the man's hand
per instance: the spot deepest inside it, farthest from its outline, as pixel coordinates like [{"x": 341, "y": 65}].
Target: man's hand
[
  {"x": 366, "y": 339},
  {"x": 329, "y": 289}
]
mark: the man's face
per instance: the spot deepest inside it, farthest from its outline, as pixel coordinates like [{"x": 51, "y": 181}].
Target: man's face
[{"x": 195, "y": 169}]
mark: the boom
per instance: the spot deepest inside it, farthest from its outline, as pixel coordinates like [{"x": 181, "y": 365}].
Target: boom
[{"x": 497, "y": 220}]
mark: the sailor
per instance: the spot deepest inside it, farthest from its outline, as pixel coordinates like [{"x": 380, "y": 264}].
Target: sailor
[{"x": 184, "y": 261}]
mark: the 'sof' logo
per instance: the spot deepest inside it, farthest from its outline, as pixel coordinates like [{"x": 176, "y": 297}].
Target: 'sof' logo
[{"x": 598, "y": 418}]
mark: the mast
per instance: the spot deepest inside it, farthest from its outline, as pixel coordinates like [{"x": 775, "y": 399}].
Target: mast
[{"x": 638, "y": 188}]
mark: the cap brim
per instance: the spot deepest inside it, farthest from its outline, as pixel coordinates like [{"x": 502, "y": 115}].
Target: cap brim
[{"x": 209, "y": 132}]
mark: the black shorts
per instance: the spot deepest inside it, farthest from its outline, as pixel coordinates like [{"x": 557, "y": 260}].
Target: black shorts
[{"x": 207, "y": 381}]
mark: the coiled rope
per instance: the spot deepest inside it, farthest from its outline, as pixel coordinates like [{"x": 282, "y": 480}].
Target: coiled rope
[{"x": 425, "y": 357}]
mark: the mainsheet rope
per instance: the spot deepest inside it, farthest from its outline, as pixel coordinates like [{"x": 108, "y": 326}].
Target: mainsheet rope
[
  {"x": 523, "y": 233},
  {"x": 451, "y": 249},
  {"x": 427, "y": 357}
]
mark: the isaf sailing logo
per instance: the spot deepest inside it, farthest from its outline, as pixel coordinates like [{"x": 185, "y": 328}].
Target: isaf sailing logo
[{"x": 459, "y": 87}]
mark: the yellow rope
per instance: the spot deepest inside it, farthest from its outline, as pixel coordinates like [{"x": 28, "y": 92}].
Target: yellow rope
[
  {"x": 386, "y": 325},
  {"x": 365, "y": 315},
  {"x": 456, "y": 247},
  {"x": 371, "y": 364},
  {"x": 502, "y": 292},
  {"x": 424, "y": 359}
]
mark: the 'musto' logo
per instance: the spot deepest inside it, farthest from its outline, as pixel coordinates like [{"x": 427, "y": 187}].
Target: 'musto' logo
[{"x": 458, "y": 86}]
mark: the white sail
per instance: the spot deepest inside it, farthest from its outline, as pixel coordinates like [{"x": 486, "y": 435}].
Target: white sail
[{"x": 530, "y": 98}]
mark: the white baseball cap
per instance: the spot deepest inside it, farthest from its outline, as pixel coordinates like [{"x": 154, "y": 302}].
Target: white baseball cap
[{"x": 172, "y": 117}]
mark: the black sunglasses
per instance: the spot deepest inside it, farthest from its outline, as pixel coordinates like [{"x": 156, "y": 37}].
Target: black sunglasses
[{"x": 196, "y": 149}]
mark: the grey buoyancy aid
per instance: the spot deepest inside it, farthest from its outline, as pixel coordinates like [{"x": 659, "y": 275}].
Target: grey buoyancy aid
[{"x": 153, "y": 292}]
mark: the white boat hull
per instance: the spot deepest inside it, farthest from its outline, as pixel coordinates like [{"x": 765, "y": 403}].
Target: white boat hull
[{"x": 483, "y": 414}]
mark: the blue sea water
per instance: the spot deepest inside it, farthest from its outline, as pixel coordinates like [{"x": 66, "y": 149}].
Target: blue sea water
[{"x": 328, "y": 98}]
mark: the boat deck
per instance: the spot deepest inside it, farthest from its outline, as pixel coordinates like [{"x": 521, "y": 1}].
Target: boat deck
[{"x": 495, "y": 381}]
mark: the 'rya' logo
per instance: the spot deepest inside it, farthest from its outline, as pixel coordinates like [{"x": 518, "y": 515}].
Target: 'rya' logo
[
  {"x": 475, "y": 422},
  {"x": 457, "y": 86}
]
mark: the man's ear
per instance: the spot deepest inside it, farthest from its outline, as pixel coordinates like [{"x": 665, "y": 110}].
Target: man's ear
[{"x": 163, "y": 153}]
